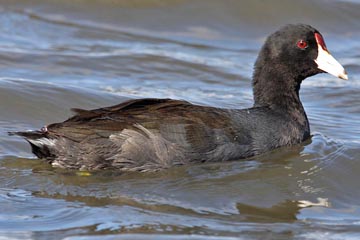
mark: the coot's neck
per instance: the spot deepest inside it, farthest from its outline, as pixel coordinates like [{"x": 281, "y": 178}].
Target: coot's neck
[{"x": 276, "y": 87}]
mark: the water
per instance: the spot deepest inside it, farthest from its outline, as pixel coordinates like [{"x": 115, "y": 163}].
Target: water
[{"x": 55, "y": 55}]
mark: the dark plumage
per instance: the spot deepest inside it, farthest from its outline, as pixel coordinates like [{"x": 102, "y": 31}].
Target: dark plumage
[{"x": 154, "y": 134}]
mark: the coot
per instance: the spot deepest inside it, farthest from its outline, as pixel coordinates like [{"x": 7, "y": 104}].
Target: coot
[{"x": 152, "y": 134}]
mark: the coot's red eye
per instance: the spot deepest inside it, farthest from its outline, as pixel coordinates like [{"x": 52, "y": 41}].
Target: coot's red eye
[{"x": 302, "y": 44}]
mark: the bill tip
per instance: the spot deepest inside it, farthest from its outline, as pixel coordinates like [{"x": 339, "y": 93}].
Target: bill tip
[{"x": 344, "y": 75}]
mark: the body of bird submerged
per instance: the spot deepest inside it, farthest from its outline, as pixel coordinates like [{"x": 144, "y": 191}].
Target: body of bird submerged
[{"x": 153, "y": 134}]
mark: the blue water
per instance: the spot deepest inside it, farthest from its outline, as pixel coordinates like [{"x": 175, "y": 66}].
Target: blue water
[{"x": 56, "y": 55}]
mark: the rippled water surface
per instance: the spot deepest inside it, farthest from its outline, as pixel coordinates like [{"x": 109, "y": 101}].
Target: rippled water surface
[{"x": 55, "y": 55}]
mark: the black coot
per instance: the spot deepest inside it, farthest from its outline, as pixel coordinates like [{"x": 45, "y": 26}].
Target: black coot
[{"x": 153, "y": 134}]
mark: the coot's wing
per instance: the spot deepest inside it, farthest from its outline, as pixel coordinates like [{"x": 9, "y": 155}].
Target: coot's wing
[
  {"x": 107, "y": 120},
  {"x": 143, "y": 134}
]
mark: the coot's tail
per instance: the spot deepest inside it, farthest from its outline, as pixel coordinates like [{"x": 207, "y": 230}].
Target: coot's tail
[{"x": 40, "y": 143}]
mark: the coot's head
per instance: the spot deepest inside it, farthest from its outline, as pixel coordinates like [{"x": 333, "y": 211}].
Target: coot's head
[
  {"x": 287, "y": 57},
  {"x": 301, "y": 50}
]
